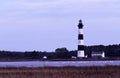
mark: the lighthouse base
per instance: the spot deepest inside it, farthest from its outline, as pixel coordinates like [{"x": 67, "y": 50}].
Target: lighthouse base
[{"x": 81, "y": 54}]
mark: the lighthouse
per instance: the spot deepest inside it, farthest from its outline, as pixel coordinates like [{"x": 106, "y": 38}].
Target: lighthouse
[{"x": 80, "y": 51}]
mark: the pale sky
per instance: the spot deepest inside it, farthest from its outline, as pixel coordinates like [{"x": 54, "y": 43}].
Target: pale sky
[{"x": 44, "y": 25}]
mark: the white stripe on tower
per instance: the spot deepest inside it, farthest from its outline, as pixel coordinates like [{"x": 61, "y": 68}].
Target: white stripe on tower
[{"x": 80, "y": 52}]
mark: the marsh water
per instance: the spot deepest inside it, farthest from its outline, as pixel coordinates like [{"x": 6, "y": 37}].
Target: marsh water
[{"x": 59, "y": 63}]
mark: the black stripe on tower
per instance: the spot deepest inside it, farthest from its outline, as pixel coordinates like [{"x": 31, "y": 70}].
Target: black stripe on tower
[
  {"x": 80, "y": 36},
  {"x": 80, "y": 25},
  {"x": 80, "y": 47}
]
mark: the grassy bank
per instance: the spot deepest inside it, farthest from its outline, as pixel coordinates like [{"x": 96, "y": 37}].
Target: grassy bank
[{"x": 61, "y": 72}]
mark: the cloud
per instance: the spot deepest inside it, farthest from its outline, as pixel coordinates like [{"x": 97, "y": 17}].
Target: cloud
[
  {"x": 58, "y": 8},
  {"x": 51, "y": 5},
  {"x": 25, "y": 4}
]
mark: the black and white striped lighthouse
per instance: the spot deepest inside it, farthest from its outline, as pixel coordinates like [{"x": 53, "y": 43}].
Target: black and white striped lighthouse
[{"x": 80, "y": 52}]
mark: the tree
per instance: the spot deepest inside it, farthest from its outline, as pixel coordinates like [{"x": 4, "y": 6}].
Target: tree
[{"x": 62, "y": 53}]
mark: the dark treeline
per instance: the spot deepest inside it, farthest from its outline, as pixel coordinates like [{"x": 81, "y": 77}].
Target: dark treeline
[
  {"x": 110, "y": 50},
  {"x": 61, "y": 53}
]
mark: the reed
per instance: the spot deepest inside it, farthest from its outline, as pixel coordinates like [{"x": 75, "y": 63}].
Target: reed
[{"x": 61, "y": 72}]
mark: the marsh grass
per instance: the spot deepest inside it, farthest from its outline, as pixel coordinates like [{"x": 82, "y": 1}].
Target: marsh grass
[{"x": 61, "y": 72}]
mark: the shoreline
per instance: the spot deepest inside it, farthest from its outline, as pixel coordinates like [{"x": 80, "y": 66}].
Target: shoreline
[{"x": 78, "y": 59}]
